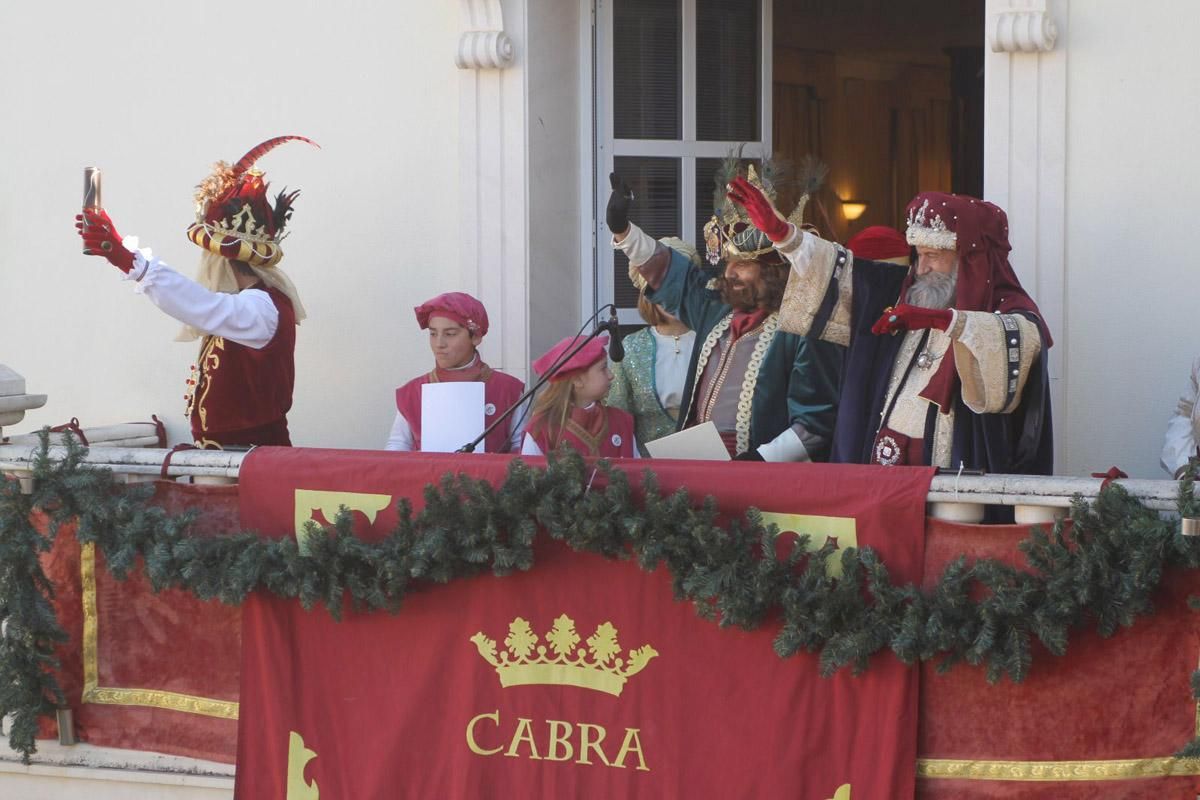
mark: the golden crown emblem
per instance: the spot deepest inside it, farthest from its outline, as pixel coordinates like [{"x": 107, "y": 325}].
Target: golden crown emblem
[{"x": 558, "y": 661}]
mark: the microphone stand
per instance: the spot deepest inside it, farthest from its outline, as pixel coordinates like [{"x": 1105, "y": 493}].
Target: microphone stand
[{"x": 550, "y": 373}]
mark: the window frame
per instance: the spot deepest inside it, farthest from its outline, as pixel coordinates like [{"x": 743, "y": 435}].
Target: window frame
[{"x": 596, "y": 279}]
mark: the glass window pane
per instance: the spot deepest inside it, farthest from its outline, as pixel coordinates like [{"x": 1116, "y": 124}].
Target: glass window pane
[
  {"x": 647, "y": 63},
  {"x": 656, "y": 210},
  {"x": 728, "y": 70}
]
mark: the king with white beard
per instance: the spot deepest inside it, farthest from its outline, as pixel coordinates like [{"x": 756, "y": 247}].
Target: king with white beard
[{"x": 946, "y": 362}]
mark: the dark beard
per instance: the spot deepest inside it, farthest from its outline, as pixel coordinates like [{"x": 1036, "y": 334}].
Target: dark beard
[
  {"x": 933, "y": 290},
  {"x": 742, "y": 296}
]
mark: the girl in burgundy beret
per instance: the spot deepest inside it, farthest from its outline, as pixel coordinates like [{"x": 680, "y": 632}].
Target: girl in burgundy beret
[{"x": 570, "y": 410}]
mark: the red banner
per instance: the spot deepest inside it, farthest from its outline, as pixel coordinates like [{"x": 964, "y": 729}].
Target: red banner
[{"x": 581, "y": 677}]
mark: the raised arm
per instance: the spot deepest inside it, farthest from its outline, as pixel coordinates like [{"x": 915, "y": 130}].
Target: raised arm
[
  {"x": 817, "y": 300},
  {"x": 248, "y": 317},
  {"x": 671, "y": 278}
]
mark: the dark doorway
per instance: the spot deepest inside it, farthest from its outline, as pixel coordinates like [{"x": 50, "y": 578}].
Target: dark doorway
[{"x": 889, "y": 95}]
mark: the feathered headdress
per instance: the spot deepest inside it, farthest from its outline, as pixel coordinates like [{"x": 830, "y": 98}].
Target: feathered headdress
[
  {"x": 730, "y": 234},
  {"x": 235, "y": 218}
]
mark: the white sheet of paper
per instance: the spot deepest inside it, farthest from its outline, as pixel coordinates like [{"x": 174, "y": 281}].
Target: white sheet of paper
[
  {"x": 700, "y": 443},
  {"x": 451, "y": 416}
]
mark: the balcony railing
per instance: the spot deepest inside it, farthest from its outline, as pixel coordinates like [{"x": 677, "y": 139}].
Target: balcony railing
[{"x": 1037, "y": 497}]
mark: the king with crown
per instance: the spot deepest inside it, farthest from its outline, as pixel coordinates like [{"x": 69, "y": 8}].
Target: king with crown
[
  {"x": 946, "y": 357},
  {"x": 771, "y": 394},
  {"x": 242, "y": 307}
]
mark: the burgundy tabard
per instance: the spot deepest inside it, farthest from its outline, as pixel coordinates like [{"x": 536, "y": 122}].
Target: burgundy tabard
[
  {"x": 598, "y": 431},
  {"x": 241, "y": 396},
  {"x": 500, "y": 391}
]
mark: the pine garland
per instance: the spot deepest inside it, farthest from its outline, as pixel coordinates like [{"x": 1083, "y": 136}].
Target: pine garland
[{"x": 1100, "y": 572}]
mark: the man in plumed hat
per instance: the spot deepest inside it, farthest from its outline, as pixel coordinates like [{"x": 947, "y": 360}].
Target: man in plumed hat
[
  {"x": 770, "y": 393},
  {"x": 946, "y": 357},
  {"x": 242, "y": 306}
]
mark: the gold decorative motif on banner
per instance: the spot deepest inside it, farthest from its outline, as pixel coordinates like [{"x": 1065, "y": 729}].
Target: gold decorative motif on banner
[
  {"x": 842, "y": 793},
  {"x": 329, "y": 504},
  {"x": 598, "y": 666},
  {"x": 819, "y": 529},
  {"x": 121, "y": 696},
  {"x": 1056, "y": 771},
  {"x": 298, "y": 758}
]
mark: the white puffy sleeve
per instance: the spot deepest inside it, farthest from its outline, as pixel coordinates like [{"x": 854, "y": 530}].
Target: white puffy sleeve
[
  {"x": 530, "y": 448},
  {"x": 1183, "y": 429},
  {"x": 401, "y": 437},
  {"x": 248, "y": 317}
]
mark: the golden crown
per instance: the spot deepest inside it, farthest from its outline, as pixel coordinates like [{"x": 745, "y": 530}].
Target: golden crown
[
  {"x": 598, "y": 666},
  {"x": 730, "y": 233}
]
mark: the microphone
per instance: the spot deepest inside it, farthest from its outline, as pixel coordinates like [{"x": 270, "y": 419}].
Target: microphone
[{"x": 616, "y": 350}]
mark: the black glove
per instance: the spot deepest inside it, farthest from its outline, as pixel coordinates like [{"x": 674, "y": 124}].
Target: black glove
[
  {"x": 750, "y": 455},
  {"x": 617, "y": 212}
]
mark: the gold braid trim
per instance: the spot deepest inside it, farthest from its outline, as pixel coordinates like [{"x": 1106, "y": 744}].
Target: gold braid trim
[
  {"x": 750, "y": 380},
  {"x": 706, "y": 349},
  {"x": 103, "y": 695},
  {"x": 1056, "y": 771}
]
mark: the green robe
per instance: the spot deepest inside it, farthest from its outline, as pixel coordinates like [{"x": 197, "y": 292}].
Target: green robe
[{"x": 799, "y": 378}]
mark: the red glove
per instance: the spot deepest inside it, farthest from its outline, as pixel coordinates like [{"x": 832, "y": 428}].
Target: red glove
[
  {"x": 100, "y": 238},
  {"x": 759, "y": 209},
  {"x": 912, "y": 318}
]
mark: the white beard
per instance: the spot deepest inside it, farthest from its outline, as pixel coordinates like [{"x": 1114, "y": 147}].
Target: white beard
[{"x": 933, "y": 290}]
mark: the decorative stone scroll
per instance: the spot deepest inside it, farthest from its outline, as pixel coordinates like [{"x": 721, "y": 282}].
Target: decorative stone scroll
[
  {"x": 1021, "y": 30},
  {"x": 483, "y": 44}
]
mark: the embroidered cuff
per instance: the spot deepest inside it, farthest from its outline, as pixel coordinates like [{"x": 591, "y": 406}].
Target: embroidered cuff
[
  {"x": 993, "y": 355},
  {"x": 792, "y": 241},
  {"x": 638, "y": 245},
  {"x": 816, "y": 300},
  {"x": 957, "y": 323}
]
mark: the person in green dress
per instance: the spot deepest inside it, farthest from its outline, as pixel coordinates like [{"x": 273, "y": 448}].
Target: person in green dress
[{"x": 650, "y": 381}]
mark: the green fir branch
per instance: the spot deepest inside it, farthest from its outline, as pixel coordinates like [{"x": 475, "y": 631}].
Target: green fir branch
[{"x": 1102, "y": 573}]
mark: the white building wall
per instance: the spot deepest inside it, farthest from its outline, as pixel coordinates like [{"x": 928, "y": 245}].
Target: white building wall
[
  {"x": 153, "y": 94},
  {"x": 1087, "y": 147},
  {"x": 1089, "y": 122},
  {"x": 1131, "y": 288},
  {"x": 553, "y": 31}
]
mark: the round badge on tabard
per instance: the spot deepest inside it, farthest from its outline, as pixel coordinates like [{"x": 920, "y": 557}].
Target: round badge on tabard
[
  {"x": 489, "y": 409},
  {"x": 616, "y": 440},
  {"x": 887, "y": 451}
]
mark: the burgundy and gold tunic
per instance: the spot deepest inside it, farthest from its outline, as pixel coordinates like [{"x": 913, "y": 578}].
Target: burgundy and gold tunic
[{"x": 240, "y": 395}]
